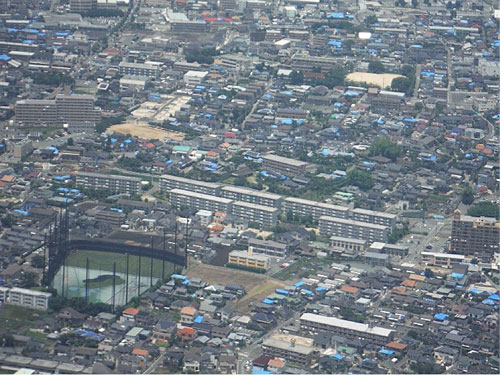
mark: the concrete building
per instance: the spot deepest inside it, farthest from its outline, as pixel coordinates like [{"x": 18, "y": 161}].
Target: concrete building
[
  {"x": 282, "y": 165},
  {"x": 332, "y": 226},
  {"x": 441, "y": 259},
  {"x": 199, "y": 201},
  {"x": 63, "y": 110},
  {"x": 168, "y": 182},
  {"x": 79, "y": 6},
  {"x": 251, "y": 196},
  {"x": 194, "y": 77},
  {"x": 303, "y": 208},
  {"x": 248, "y": 259},
  {"x": 389, "y": 249},
  {"x": 138, "y": 69},
  {"x": 346, "y": 328},
  {"x": 268, "y": 247},
  {"x": 475, "y": 236},
  {"x": 21, "y": 149},
  {"x": 263, "y": 215},
  {"x": 349, "y": 245},
  {"x": 113, "y": 183},
  {"x": 187, "y": 26},
  {"x": 31, "y": 299},
  {"x": 291, "y": 351},
  {"x": 374, "y": 217}
]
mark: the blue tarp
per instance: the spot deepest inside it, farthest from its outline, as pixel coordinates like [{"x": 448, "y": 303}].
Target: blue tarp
[
  {"x": 24, "y": 213},
  {"x": 4, "y": 57},
  {"x": 337, "y": 16},
  {"x": 386, "y": 352},
  {"x": 199, "y": 319},
  {"x": 488, "y": 302},
  {"x": 441, "y": 317},
  {"x": 337, "y": 356},
  {"x": 180, "y": 277},
  {"x": 298, "y": 284},
  {"x": 282, "y": 291},
  {"x": 456, "y": 275},
  {"x": 268, "y": 301}
]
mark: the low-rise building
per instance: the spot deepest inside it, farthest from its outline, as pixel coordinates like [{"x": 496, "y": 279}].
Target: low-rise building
[
  {"x": 248, "y": 259},
  {"x": 290, "y": 351},
  {"x": 31, "y": 299},
  {"x": 441, "y": 259},
  {"x": 268, "y": 247}
]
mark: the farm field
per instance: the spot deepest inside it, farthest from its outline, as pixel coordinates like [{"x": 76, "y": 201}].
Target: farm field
[{"x": 145, "y": 131}]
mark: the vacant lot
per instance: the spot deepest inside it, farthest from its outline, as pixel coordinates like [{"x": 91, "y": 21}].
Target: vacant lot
[
  {"x": 380, "y": 80},
  {"x": 301, "y": 268},
  {"x": 146, "y": 131},
  {"x": 257, "y": 286}
]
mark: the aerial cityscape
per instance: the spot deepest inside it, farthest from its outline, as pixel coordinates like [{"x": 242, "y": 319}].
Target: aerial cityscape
[{"x": 249, "y": 187}]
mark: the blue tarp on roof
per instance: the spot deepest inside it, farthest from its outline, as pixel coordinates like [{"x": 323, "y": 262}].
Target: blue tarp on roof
[
  {"x": 180, "y": 277},
  {"x": 441, "y": 317},
  {"x": 282, "y": 291},
  {"x": 186, "y": 282},
  {"x": 337, "y": 16},
  {"x": 298, "y": 284},
  {"x": 259, "y": 371},
  {"x": 457, "y": 275},
  {"x": 488, "y": 301},
  {"x": 494, "y": 297},
  {"x": 337, "y": 356},
  {"x": 268, "y": 301},
  {"x": 386, "y": 352},
  {"x": 306, "y": 291},
  {"x": 4, "y": 57},
  {"x": 352, "y": 93},
  {"x": 335, "y": 43},
  {"x": 22, "y": 212},
  {"x": 199, "y": 319}
]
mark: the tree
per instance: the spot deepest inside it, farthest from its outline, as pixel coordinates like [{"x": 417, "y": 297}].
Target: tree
[
  {"x": 385, "y": 147},
  {"x": 376, "y": 67},
  {"x": 28, "y": 280},
  {"x": 488, "y": 209},
  {"x": 401, "y": 84},
  {"x": 359, "y": 178},
  {"x": 414, "y": 3},
  {"x": 428, "y": 273},
  {"x": 71, "y": 142},
  {"x": 468, "y": 195},
  {"x": 37, "y": 261},
  {"x": 8, "y": 221},
  {"x": 419, "y": 106},
  {"x": 296, "y": 77},
  {"x": 370, "y": 20}
]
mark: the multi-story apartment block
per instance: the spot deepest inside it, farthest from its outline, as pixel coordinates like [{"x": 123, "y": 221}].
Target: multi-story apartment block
[
  {"x": 374, "y": 217},
  {"x": 78, "y": 6},
  {"x": 114, "y": 183},
  {"x": 267, "y": 247},
  {"x": 138, "y": 69},
  {"x": 346, "y": 328},
  {"x": 188, "y": 26},
  {"x": 254, "y": 213},
  {"x": 199, "y": 201},
  {"x": 31, "y": 299},
  {"x": 291, "y": 351},
  {"x": 251, "y": 196},
  {"x": 332, "y": 226},
  {"x": 168, "y": 182},
  {"x": 282, "y": 165},
  {"x": 476, "y": 236},
  {"x": 248, "y": 259},
  {"x": 64, "y": 109},
  {"x": 303, "y": 208}
]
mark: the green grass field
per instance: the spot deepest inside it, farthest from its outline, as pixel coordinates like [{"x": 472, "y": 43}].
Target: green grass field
[
  {"x": 104, "y": 262},
  {"x": 17, "y": 318}
]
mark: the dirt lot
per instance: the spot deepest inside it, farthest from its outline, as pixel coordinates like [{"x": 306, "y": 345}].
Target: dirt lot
[
  {"x": 146, "y": 131},
  {"x": 380, "y": 80},
  {"x": 257, "y": 286}
]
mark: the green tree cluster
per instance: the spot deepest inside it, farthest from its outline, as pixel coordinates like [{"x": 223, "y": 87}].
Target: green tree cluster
[
  {"x": 376, "y": 67},
  {"x": 52, "y": 79},
  {"x": 359, "y": 178},
  {"x": 201, "y": 56},
  {"x": 488, "y": 209},
  {"x": 468, "y": 195},
  {"x": 385, "y": 147},
  {"x": 57, "y": 303}
]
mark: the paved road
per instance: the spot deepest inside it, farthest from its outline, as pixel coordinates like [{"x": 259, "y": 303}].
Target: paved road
[
  {"x": 155, "y": 364},
  {"x": 417, "y": 81}
]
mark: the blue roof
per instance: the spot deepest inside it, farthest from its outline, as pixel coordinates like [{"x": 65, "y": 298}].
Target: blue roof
[
  {"x": 268, "y": 301},
  {"x": 177, "y": 276},
  {"x": 385, "y": 351},
  {"x": 282, "y": 291},
  {"x": 199, "y": 319},
  {"x": 338, "y": 356},
  {"x": 259, "y": 371},
  {"x": 306, "y": 291},
  {"x": 441, "y": 317},
  {"x": 488, "y": 301},
  {"x": 336, "y": 15},
  {"x": 22, "y": 212},
  {"x": 494, "y": 297},
  {"x": 457, "y": 275},
  {"x": 298, "y": 284},
  {"x": 4, "y": 57}
]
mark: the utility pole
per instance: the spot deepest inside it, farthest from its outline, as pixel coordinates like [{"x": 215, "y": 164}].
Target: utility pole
[
  {"x": 126, "y": 285},
  {"x": 151, "y": 263},
  {"x": 114, "y": 285},
  {"x": 87, "y": 281}
]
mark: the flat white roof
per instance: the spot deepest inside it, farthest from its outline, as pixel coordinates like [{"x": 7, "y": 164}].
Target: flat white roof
[
  {"x": 336, "y": 322},
  {"x": 189, "y": 181},
  {"x": 317, "y": 204},
  {"x": 373, "y": 213},
  {"x": 283, "y": 160},
  {"x": 253, "y": 206},
  {"x": 244, "y": 254},
  {"x": 353, "y": 222},
  {"x": 194, "y": 194},
  {"x": 443, "y": 255},
  {"x": 258, "y": 193},
  {"x": 35, "y": 293}
]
